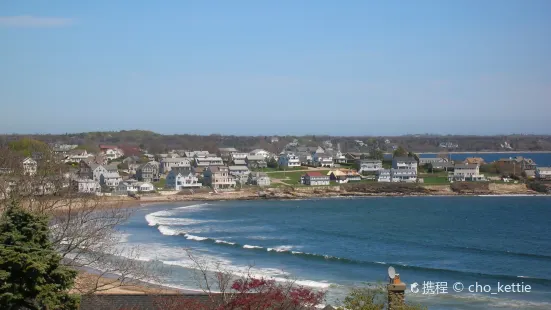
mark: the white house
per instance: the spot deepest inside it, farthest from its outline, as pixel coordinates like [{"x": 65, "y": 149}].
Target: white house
[
  {"x": 431, "y": 160},
  {"x": 168, "y": 163},
  {"x": 404, "y": 163},
  {"x": 339, "y": 158},
  {"x": 110, "y": 179},
  {"x": 260, "y": 152},
  {"x": 369, "y": 165},
  {"x": 75, "y": 156},
  {"x": 322, "y": 159},
  {"x": 145, "y": 187},
  {"x": 543, "y": 173},
  {"x": 182, "y": 178},
  {"x": 466, "y": 172},
  {"x": 403, "y": 175},
  {"x": 315, "y": 178},
  {"x": 86, "y": 186},
  {"x": 288, "y": 160},
  {"x": 111, "y": 152},
  {"x": 383, "y": 175},
  {"x": 239, "y": 156},
  {"x": 196, "y": 154},
  {"x": 29, "y": 166}
]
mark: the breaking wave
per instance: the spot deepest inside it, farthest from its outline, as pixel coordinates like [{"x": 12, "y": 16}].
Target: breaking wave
[{"x": 287, "y": 250}]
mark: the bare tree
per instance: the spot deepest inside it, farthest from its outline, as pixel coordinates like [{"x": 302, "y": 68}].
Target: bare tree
[{"x": 84, "y": 227}]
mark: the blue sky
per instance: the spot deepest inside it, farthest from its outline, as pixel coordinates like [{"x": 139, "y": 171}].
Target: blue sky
[{"x": 276, "y": 67}]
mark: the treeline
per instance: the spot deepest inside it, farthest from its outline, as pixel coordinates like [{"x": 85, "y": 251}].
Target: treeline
[{"x": 158, "y": 143}]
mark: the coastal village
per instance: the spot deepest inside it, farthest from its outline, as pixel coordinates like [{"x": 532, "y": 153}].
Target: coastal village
[{"x": 132, "y": 171}]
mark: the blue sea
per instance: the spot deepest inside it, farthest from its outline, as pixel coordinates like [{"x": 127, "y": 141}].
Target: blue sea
[
  {"x": 338, "y": 244},
  {"x": 541, "y": 159}
]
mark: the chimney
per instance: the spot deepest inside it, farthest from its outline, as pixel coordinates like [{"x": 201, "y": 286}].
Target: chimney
[{"x": 396, "y": 291}]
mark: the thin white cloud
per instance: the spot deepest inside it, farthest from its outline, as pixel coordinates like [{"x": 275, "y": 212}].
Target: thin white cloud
[{"x": 28, "y": 21}]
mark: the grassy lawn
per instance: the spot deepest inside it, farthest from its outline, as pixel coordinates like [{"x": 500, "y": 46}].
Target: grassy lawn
[
  {"x": 277, "y": 170},
  {"x": 435, "y": 180},
  {"x": 291, "y": 177},
  {"x": 160, "y": 184}
]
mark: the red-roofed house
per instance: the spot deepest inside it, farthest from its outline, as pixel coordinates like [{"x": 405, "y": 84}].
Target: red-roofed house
[
  {"x": 130, "y": 150},
  {"x": 314, "y": 178},
  {"x": 111, "y": 151}
]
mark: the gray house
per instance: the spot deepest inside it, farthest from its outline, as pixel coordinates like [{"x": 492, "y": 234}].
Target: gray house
[
  {"x": 256, "y": 161},
  {"x": 240, "y": 173},
  {"x": 148, "y": 172}
]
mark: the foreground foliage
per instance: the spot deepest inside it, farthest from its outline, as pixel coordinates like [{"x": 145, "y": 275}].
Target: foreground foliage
[
  {"x": 372, "y": 297},
  {"x": 31, "y": 274}
]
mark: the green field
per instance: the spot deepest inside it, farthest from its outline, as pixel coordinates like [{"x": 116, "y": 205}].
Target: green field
[
  {"x": 435, "y": 180},
  {"x": 160, "y": 184},
  {"x": 278, "y": 170}
]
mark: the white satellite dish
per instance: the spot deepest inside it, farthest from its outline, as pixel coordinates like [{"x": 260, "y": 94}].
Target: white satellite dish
[{"x": 391, "y": 272}]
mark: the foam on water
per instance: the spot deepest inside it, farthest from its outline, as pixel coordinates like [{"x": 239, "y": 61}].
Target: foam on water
[
  {"x": 164, "y": 217},
  {"x": 192, "y": 237},
  {"x": 224, "y": 242},
  {"x": 281, "y": 248}
]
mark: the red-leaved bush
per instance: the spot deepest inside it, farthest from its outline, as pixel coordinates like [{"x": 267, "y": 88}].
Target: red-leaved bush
[{"x": 249, "y": 294}]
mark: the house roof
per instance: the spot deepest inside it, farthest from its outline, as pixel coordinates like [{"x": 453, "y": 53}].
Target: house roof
[
  {"x": 258, "y": 150},
  {"x": 405, "y": 159},
  {"x": 227, "y": 149},
  {"x": 107, "y": 146},
  {"x": 130, "y": 150},
  {"x": 474, "y": 160},
  {"x": 175, "y": 160},
  {"x": 314, "y": 174},
  {"x": 238, "y": 168},
  {"x": 111, "y": 167},
  {"x": 198, "y": 169},
  {"x": 239, "y": 162},
  {"x": 343, "y": 172},
  {"x": 255, "y": 157},
  {"x": 93, "y": 166},
  {"x": 466, "y": 166},
  {"x": 376, "y": 161},
  {"x": 109, "y": 175},
  {"x": 217, "y": 168},
  {"x": 543, "y": 168},
  {"x": 208, "y": 159}
]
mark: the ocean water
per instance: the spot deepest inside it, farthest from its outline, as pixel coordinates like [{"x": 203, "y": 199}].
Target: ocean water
[
  {"x": 541, "y": 159},
  {"x": 337, "y": 244}
]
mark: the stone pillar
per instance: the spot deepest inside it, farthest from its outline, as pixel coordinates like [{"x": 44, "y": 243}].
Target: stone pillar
[{"x": 396, "y": 294}]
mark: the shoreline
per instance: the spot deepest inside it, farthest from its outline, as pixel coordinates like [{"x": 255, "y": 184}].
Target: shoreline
[
  {"x": 329, "y": 195},
  {"x": 489, "y": 152},
  {"x": 131, "y": 287}
]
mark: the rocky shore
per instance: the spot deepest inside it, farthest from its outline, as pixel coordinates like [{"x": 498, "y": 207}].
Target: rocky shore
[{"x": 350, "y": 190}]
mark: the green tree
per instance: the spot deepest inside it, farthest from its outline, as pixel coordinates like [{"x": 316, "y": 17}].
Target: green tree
[
  {"x": 27, "y": 146},
  {"x": 31, "y": 273},
  {"x": 372, "y": 297},
  {"x": 399, "y": 152},
  {"x": 376, "y": 154},
  {"x": 272, "y": 163},
  {"x": 415, "y": 156}
]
